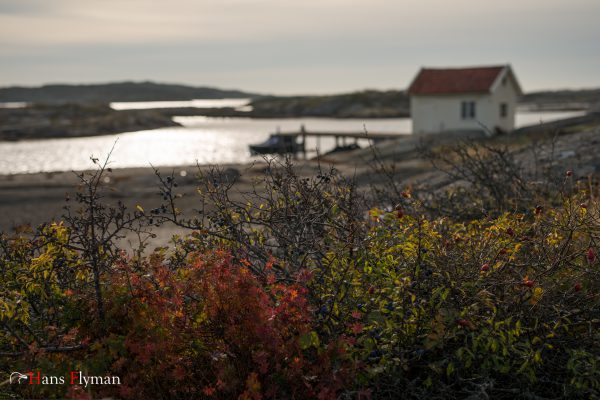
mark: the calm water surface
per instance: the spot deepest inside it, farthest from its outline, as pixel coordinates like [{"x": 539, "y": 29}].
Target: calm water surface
[
  {"x": 200, "y": 139},
  {"x": 198, "y": 103}
]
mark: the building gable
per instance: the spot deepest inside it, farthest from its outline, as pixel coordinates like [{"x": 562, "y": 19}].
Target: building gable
[{"x": 507, "y": 75}]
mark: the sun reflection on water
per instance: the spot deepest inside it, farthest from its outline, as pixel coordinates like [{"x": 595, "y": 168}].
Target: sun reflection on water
[{"x": 201, "y": 139}]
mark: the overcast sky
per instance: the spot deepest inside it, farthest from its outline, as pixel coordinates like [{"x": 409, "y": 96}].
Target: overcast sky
[{"x": 296, "y": 46}]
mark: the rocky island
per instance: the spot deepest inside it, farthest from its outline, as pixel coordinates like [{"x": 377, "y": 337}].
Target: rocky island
[{"x": 45, "y": 121}]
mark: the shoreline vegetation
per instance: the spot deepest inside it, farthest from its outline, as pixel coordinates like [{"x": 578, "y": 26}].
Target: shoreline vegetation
[
  {"x": 431, "y": 269},
  {"x": 82, "y": 110}
]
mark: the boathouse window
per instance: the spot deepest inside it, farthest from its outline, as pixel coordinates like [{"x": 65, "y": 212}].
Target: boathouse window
[
  {"x": 467, "y": 110},
  {"x": 503, "y": 110}
]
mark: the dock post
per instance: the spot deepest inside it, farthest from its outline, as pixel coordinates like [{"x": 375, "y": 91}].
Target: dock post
[
  {"x": 318, "y": 143},
  {"x": 294, "y": 152},
  {"x": 304, "y": 144}
]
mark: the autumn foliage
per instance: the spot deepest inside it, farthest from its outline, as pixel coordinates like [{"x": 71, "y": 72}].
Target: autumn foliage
[
  {"x": 211, "y": 328},
  {"x": 393, "y": 302}
]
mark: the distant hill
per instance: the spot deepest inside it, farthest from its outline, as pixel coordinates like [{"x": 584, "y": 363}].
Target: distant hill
[
  {"x": 109, "y": 92},
  {"x": 583, "y": 98},
  {"x": 396, "y": 103},
  {"x": 362, "y": 104},
  {"x": 365, "y": 104}
]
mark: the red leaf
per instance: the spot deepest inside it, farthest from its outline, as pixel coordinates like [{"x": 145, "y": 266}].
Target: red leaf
[{"x": 591, "y": 256}]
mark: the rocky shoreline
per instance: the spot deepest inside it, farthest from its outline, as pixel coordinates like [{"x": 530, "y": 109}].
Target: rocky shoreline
[
  {"x": 85, "y": 118},
  {"x": 75, "y": 120}
]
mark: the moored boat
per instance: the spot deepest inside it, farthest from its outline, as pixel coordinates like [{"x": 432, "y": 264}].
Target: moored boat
[{"x": 277, "y": 144}]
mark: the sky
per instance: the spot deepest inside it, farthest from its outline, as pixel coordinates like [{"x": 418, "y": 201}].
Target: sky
[{"x": 296, "y": 46}]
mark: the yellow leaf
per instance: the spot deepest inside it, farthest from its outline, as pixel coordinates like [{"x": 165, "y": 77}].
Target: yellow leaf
[
  {"x": 139, "y": 208},
  {"x": 537, "y": 295}
]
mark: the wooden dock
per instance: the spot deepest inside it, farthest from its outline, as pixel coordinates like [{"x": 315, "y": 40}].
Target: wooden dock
[
  {"x": 295, "y": 141},
  {"x": 352, "y": 135},
  {"x": 340, "y": 137}
]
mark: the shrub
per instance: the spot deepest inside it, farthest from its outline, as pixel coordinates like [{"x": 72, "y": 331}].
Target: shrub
[
  {"x": 209, "y": 327},
  {"x": 302, "y": 293},
  {"x": 498, "y": 306}
]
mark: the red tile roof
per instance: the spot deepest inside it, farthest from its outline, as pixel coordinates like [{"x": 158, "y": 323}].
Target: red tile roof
[{"x": 454, "y": 80}]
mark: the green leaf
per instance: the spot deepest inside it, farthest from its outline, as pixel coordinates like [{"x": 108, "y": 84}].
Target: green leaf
[
  {"x": 310, "y": 339},
  {"x": 450, "y": 369}
]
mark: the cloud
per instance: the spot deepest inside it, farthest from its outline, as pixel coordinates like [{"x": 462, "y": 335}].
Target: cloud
[
  {"x": 278, "y": 39},
  {"x": 60, "y": 22},
  {"x": 136, "y": 21}
]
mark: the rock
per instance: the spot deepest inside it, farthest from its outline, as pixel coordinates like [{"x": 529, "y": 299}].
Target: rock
[{"x": 75, "y": 120}]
